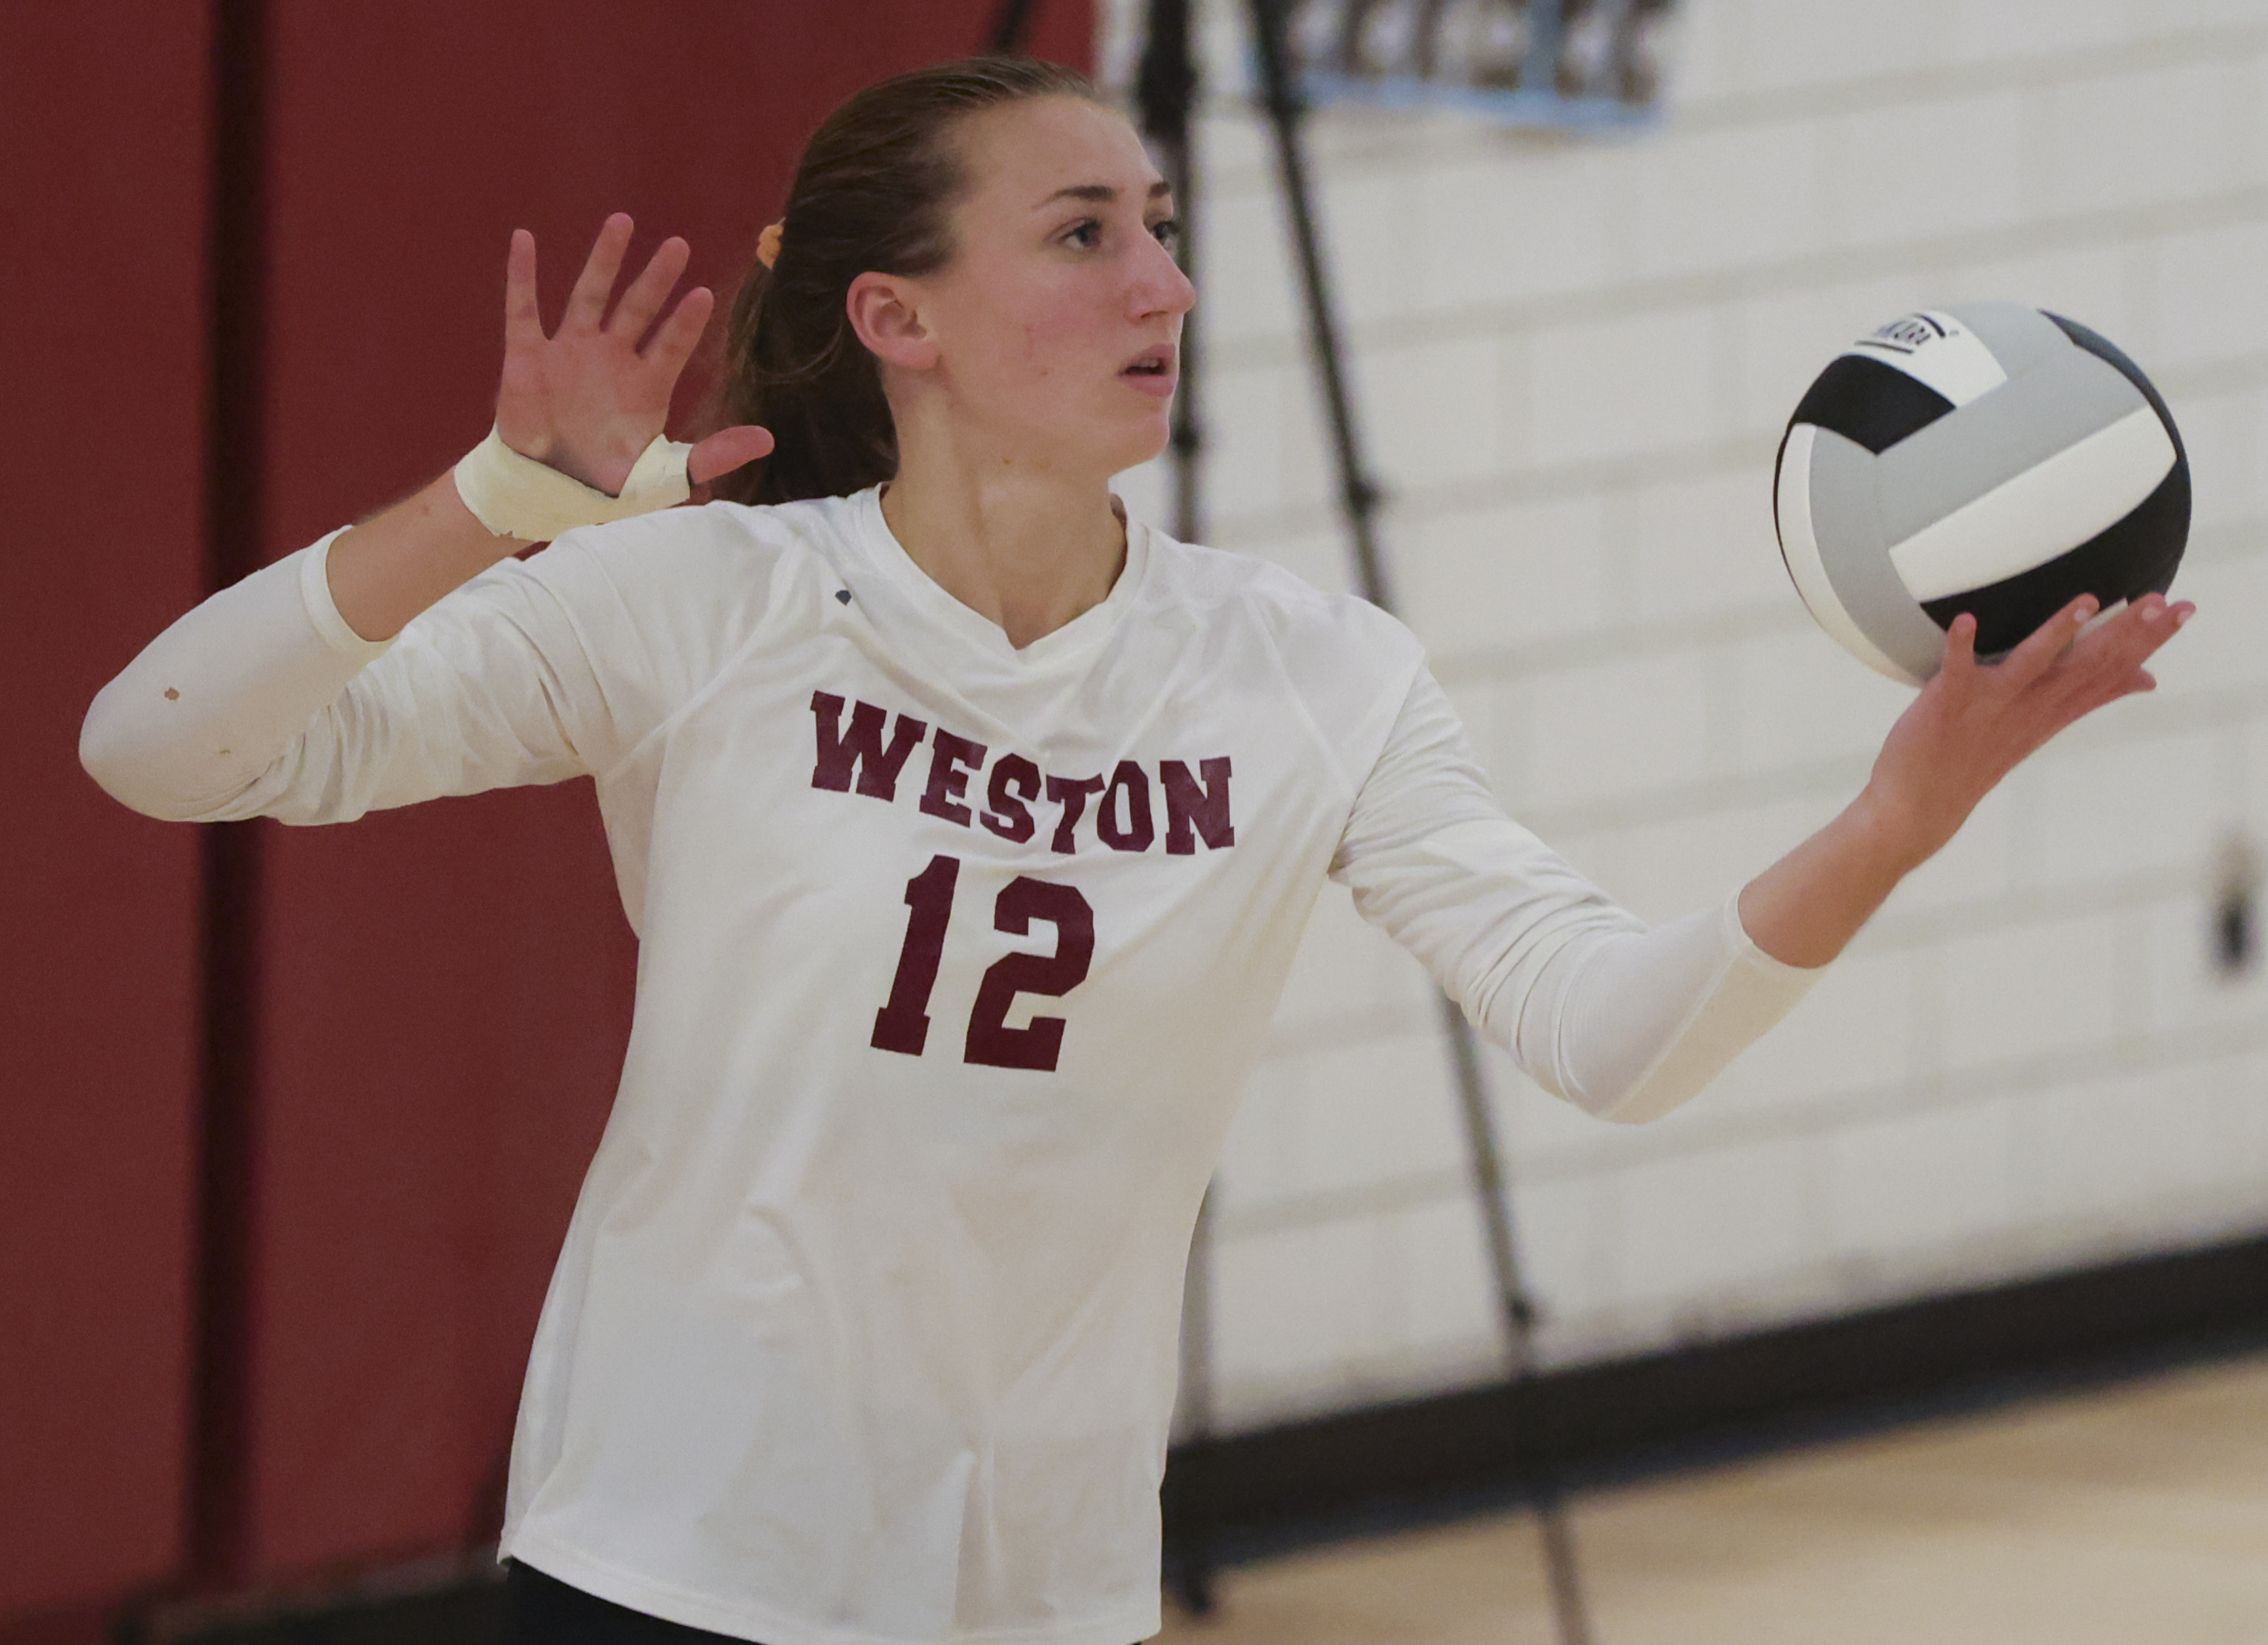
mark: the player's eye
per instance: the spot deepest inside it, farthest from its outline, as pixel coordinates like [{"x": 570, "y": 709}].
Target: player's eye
[
  {"x": 1086, "y": 235},
  {"x": 1169, "y": 231}
]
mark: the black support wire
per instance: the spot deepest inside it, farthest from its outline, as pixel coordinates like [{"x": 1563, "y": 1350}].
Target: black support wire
[{"x": 1358, "y": 499}]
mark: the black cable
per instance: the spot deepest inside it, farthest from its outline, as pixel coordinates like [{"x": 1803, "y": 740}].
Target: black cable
[
  {"x": 1358, "y": 499},
  {"x": 1012, "y": 24}
]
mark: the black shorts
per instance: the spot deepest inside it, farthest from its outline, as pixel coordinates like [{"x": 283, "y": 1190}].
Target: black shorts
[{"x": 541, "y": 1609}]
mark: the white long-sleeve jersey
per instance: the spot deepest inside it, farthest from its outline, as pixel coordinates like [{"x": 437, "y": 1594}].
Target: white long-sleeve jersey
[{"x": 953, "y": 960}]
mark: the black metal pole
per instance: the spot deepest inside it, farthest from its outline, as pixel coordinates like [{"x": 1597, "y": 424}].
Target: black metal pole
[
  {"x": 1164, "y": 94},
  {"x": 235, "y": 460},
  {"x": 1358, "y": 498}
]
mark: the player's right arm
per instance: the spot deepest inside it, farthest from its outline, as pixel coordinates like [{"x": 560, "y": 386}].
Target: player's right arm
[{"x": 242, "y": 706}]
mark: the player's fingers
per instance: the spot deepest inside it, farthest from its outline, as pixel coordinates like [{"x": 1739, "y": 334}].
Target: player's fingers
[
  {"x": 727, "y": 450},
  {"x": 1960, "y": 659},
  {"x": 2038, "y": 651},
  {"x": 674, "y": 339},
  {"x": 523, "y": 322},
  {"x": 645, "y": 295},
  {"x": 586, "y": 304}
]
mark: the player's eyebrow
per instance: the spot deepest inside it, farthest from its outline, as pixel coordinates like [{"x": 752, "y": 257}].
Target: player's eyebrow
[{"x": 1100, "y": 193}]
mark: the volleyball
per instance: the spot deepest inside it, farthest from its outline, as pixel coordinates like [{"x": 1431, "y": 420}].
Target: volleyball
[{"x": 1989, "y": 458}]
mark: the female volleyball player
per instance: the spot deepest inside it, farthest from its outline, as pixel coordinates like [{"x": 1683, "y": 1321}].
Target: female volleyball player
[{"x": 968, "y": 829}]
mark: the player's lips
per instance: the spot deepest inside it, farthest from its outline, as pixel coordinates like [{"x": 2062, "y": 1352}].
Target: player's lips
[{"x": 1154, "y": 371}]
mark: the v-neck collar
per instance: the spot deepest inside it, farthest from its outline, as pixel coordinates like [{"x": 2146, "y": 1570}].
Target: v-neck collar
[{"x": 935, "y": 605}]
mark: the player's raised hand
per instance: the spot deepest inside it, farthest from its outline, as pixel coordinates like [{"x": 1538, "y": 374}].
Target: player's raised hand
[
  {"x": 586, "y": 400},
  {"x": 1974, "y": 722}
]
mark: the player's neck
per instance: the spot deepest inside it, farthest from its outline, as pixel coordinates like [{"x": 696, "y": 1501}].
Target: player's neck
[{"x": 1026, "y": 547}]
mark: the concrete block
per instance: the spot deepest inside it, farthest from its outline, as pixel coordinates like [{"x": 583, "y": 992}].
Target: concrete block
[
  {"x": 1783, "y": 339},
  {"x": 2141, "y": 138},
  {"x": 2183, "y": 987},
  {"x": 1147, "y": 492},
  {"x": 1799, "y": 43},
  {"x": 2220, "y": 650},
  {"x": 1924, "y": 171},
  {"x": 1986, "y": 30},
  {"x": 1799, "y": 698},
  {"x": 1666, "y": 870},
  {"x": 1347, "y": 971},
  {"x": 1376, "y": 1111},
  {"x": 1509, "y": 576},
  {"x": 1257, "y": 1164},
  {"x": 1619, "y": 387},
  {"x": 1376, "y": 241},
  {"x": 1509, "y": 224},
  {"x": 1245, "y": 411},
  {"x": 2098, "y": 285},
  {"x": 1246, "y": 284},
  {"x": 2098, "y": 812},
  {"x": 2228, "y": 482},
  {"x": 1923, "y": 1184},
  {"x": 1446, "y": 1300},
  {"x": 1729, "y": 197},
  {"x": 1535, "y": 1130},
  {"x": 1432, "y": 412},
  {"x": 1694, "y": 1229},
  {"x": 1705, "y": 545},
  {"x": 2206, "y": 297},
  {"x": 1616, "y": 729},
  {"x": 2107, "y": 1154},
  {"x": 1704, "y": 48},
  {"x": 1291, "y": 1307},
  {"x": 1319, "y": 559},
  {"x": 1977, "y": 865},
  {"x": 1560, "y": 1233},
  {"x": 2023, "y": 989},
  {"x": 1855, "y": 1031},
  {"x": 2240, "y": 1092}
]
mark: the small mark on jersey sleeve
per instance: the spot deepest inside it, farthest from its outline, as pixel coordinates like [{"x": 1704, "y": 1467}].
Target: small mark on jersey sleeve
[{"x": 844, "y": 594}]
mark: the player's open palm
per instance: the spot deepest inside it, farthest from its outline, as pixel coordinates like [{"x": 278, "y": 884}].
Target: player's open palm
[
  {"x": 587, "y": 400},
  {"x": 1974, "y": 722}
]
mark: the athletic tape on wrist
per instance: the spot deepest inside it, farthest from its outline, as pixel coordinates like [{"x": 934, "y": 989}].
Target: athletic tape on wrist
[{"x": 515, "y": 496}]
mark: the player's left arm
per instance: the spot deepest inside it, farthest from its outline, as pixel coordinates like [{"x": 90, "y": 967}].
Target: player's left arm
[{"x": 1971, "y": 725}]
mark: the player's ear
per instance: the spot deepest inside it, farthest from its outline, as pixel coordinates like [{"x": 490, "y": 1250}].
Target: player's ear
[{"x": 885, "y": 311}]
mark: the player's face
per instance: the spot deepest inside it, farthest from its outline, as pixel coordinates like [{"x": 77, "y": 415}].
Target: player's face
[{"x": 1058, "y": 320}]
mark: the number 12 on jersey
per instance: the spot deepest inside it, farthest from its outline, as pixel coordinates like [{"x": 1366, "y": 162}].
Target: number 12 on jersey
[{"x": 902, "y": 1025}]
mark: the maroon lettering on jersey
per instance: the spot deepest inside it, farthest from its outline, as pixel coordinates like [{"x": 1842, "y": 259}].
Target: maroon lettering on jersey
[
  {"x": 1070, "y": 793},
  {"x": 952, "y": 762},
  {"x": 860, "y": 748},
  {"x": 1192, "y": 811},
  {"x": 1015, "y": 785},
  {"x": 991, "y": 1041},
  {"x": 1129, "y": 794}
]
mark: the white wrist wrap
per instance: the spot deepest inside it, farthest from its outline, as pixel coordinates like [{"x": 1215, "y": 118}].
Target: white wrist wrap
[{"x": 518, "y": 497}]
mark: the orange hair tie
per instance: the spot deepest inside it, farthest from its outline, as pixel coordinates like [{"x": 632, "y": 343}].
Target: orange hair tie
[{"x": 768, "y": 244}]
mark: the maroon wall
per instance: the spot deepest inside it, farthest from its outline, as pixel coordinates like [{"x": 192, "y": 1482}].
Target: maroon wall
[
  {"x": 443, "y": 993},
  {"x": 102, "y": 167}
]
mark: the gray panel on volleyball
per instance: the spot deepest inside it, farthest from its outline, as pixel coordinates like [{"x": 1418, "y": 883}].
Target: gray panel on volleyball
[
  {"x": 1995, "y": 437},
  {"x": 2019, "y": 337},
  {"x": 1843, "y": 514}
]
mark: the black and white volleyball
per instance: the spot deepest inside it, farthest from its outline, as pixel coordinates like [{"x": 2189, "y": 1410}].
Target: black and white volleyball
[{"x": 1991, "y": 457}]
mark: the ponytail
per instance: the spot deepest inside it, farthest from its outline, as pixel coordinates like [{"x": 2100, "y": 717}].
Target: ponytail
[{"x": 874, "y": 191}]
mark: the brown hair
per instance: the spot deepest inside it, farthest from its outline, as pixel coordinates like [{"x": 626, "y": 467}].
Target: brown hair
[{"x": 873, "y": 191}]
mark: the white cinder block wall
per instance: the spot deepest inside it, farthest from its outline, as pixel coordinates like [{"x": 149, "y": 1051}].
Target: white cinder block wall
[{"x": 1575, "y": 360}]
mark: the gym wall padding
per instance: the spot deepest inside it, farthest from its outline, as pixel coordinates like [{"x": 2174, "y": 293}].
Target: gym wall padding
[
  {"x": 102, "y": 168},
  {"x": 441, "y": 993}
]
